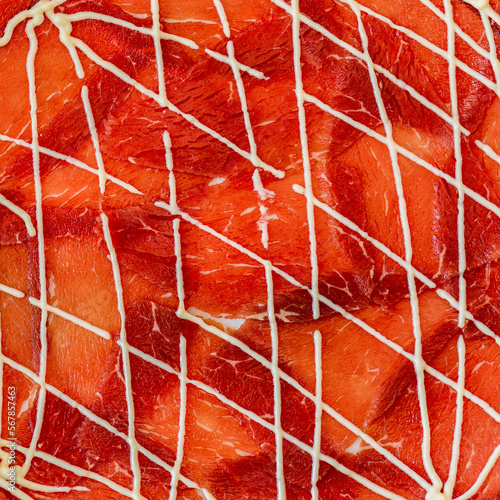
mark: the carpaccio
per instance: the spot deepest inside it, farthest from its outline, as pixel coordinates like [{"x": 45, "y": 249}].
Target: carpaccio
[{"x": 249, "y": 250}]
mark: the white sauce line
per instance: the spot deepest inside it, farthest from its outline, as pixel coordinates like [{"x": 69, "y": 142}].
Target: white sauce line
[
  {"x": 158, "y": 461},
  {"x": 278, "y": 431},
  {"x": 181, "y": 310},
  {"x": 457, "y": 141},
  {"x": 481, "y": 4},
  {"x": 38, "y": 9},
  {"x": 20, "y": 212},
  {"x": 403, "y": 215},
  {"x": 481, "y": 200},
  {"x": 134, "y": 454},
  {"x": 170, "y": 165},
  {"x": 17, "y": 492},
  {"x": 426, "y": 43},
  {"x": 94, "y": 418},
  {"x": 296, "y": 385},
  {"x": 156, "y": 34},
  {"x": 64, "y": 26},
  {"x": 30, "y": 70},
  {"x": 95, "y": 139},
  {"x": 482, "y": 476},
  {"x": 380, "y": 246},
  {"x": 223, "y": 18},
  {"x": 83, "y": 16},
  {"x": 235, "y": 67},
  {"x": 349, "y": 48},
  {"x": 63, "y": 397},
  {"x": 376, "y": 243},
  {"x": 243, "y": 99},
  {"x": 172, "y": 107},
  {"x": 30, "y": 485},
  {"x": 241, "y": 67},
  {"x": 58, "y": 312},
  {"x": 457, "y": 434},
  {"x": 488, "y": 10},
  {"x": 71, "y": 161},
  {"x": 480, "y": 326},
  {"x": 73, "y": 319},
  {"x": 318, "y": 365},
  {"x": 264, "y": 423},
  {"x": 182, "y": 418},
  {"x": 263, "y": 194},
  {"x": 493, "y": 57},
  {"x": 488, "y": 151},
  {"x": 79, "y": 471},
  {"x": 299, "y": 91},
  {"x": 12, "y": 291}
]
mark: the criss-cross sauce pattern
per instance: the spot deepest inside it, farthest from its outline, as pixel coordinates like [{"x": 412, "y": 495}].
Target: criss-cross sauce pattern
[{"x": 46, "y": 11}]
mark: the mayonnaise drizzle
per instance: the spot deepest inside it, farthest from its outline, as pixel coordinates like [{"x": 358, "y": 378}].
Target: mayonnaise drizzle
[
  {"x": 94, "y": 418},
  {"x": 80, "y": 472},
  {"x": 30, "y": 485},
  {"x": 396, "y": 258},
  {"x": 171, "y": 177},
  {"x": 64, "y": 25},
  {"x": 403, "y": 215},
  {"x": 20, "y": 212},
  {"x": 318, "y": 365},
  {"x": 182, "y": 416},
  {"x": 262, "y": 360},
  {"x": 163, "y": 101},
  {"x": 95, "y": 140},
  {"x": 223, "y": 18},
  {"x": 379, "y": 69},
  {"x": 457, "y": 140},
  {"x": 17, "y": 493},
  {"x": 74, "y": 319},
  {"x": 241, "y": 67},
  {"x": 482, "y": 476},
  {"x": 83, "y": 16},
  {"x": 11, "y": 291},
  {"x": 455, "y": 455},
  {"x": 72, "y": 161},
  {"x": 263, "y": 194},
  {"x": 299, "y": 91},
  {"x": 236, "y": 69},
  {"x": 493, "y": 57},
  {"x": 156, "y": 34},
  {"x": 127, "y": 373},
  {"x": 278, "y": 431},
  {"x": 36, "y": 20},
  {"x": 65, "y": 28},
  {"x": 264, "y": 423},
  {"x": 412, "y": 156}
]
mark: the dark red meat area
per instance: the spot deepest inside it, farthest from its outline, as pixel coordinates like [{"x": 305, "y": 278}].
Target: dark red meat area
[{"x": 228, "y": 451}]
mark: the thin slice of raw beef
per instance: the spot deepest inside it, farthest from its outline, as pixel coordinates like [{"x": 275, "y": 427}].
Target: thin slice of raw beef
[{"x": 249, "y": 250}]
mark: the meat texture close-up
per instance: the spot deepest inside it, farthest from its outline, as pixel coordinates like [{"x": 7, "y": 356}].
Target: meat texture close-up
[{"x": 249, "y": 249}]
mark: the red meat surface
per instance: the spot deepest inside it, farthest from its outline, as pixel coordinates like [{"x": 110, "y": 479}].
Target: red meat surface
[{"x": 180, "y": 291}]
